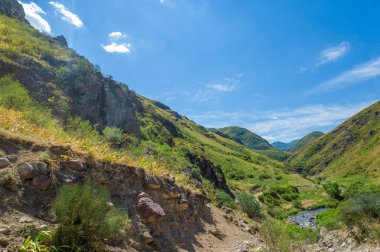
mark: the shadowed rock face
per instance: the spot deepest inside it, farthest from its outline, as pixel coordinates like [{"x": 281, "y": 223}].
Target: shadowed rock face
[{"x": 12, "y": 8}]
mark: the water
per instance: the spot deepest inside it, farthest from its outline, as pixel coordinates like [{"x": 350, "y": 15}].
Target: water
[{"x": 305, "y": 218}]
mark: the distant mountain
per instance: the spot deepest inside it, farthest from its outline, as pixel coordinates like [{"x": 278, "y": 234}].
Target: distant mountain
[
  {"x": 284, "y": 146},
  {"x": 349, "y": 152},
  {"x": 244, "y": 137},
  {"x": 305, "y": 141},
  {"x": 298, "y": 144},
  {"x": 251, "y": 141}
]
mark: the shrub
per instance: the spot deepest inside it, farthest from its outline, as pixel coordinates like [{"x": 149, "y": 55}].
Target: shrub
[
  {"x": 81, "y": 128},
  {"x": 329, "y": 219},
  {"x": 223, "y": 199},
  {"x": 275, "y": 236},
  {"x": 12, "y": 94},
  {"x": 333, "y": 189},
  {"x": 85, "y": 218},
  {"x": 264, "y": 176},
  {"x": 361, "y": 206},
  {"x": 250, "y": 206},
  {"x": 113, "y": 136},
  {"x": 39, "y": 243}
]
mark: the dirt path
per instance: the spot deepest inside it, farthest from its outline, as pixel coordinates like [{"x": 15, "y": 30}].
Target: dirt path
[{"x": 225, "y": 235}]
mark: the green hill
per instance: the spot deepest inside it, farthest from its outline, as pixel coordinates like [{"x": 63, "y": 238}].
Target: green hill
[
  {"x": 244, "y": 137},
  {"x": 251, "y": 141},
  {"x": 71, "y": 102},
  {"x": 305, "y": 141},
  {"x": 348, "y": 153}
]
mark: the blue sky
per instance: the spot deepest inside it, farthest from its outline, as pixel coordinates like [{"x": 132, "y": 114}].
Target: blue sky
[{"x": 279, "y": 68}]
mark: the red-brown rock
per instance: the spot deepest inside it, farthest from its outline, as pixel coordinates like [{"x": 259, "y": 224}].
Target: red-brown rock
[
  {"x": 74, "y": 164},
  {"x": 149, "y": 210},
  {"x": 41, "y": 182}
]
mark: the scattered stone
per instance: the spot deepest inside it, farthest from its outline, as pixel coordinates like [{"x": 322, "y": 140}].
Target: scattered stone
[
  {"x": 25, "y": 219},
  {"x": 254, "y": 228},
  {"x": 74, "y": 164},
  {"x": 170, "y": 195},
  {"x": 171, "y": 179},
  {"x": 152, "y": 182},
  {"x": 110, "y": 205},
  {"x": 182, "y": 205},
  {"x": 26, "y": 171},
  {"x": 41, "y": 168},
  {"x": 3, "y": 241},
  {"x": 217, "y": 233},
  {"x": 4, "y": 230},
  {"x": 41, "y": 182},
  {"x": 147, "y": 238},
  {"x": 149, "y": 210},
  {"x": 4, "y": 163}
]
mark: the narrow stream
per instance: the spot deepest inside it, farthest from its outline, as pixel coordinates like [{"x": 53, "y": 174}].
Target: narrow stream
[{"x": 305, "y": 218}]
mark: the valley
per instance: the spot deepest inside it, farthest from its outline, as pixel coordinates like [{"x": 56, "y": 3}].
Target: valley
[{"x": 87, "y": 164}]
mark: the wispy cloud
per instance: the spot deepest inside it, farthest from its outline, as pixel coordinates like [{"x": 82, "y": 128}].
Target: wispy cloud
[
  {"x": 117, "y": 35},
  {"x": 33, "y": 15},
  {"x": 356, "y": 75},
  {"x": 286, "y": 124},
  {"x": 214, "y": 90},
  {"x": 67, "y": 15},
  {"x": 333, "y": 53},
  {"x": 117, "y": 48},
  {"x": 118, "y": 43}
]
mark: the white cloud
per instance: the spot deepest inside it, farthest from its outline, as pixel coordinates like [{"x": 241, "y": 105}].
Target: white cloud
[
  {"x": 32, "y": 14},
  {"x": 67, "y": 15},
  {"x": 117, "y": 48},
  {"x": 333, "y": 53},
  {"x": 288, "y": 125},
  {"x": 220, "y": 87},
  {"x": 117, "y": 35},
  {"x": 366, "y": 71}
]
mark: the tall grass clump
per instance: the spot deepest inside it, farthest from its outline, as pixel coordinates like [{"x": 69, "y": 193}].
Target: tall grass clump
[
  {"x": 114, "y": 136},
  {"x": 250, "y": 206},
  {"x": 85, "y": 218},
  {"x": 275, "y": 236}
]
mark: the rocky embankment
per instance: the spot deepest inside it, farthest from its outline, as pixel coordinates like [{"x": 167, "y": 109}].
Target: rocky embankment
[{"x": 164, "y": 216}]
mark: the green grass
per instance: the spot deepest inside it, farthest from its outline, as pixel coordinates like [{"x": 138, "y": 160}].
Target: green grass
[{"x": 330, "y": 219}]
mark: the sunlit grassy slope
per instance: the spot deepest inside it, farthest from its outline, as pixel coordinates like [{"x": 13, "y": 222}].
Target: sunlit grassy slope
[
  {"x": 167, "y": 135},
  {"x": 349, "y": 153}
]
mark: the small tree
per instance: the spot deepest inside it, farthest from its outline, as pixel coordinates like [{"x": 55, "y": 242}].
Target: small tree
[
  {"x": 223, "y": 199},
  {"x": 85, "y": 218},
  {"x": 333, "y": 189}
]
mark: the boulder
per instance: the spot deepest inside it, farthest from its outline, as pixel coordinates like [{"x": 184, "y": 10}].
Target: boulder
[
  {"x": 26, "y": 171},
  {"x": 41, "y": 182},
  {"x": 41, "y": 168},
  {"x": 74, "y": 164},
  {"x": 4, "y": 163},
  {"x": 149, "y": 210}
]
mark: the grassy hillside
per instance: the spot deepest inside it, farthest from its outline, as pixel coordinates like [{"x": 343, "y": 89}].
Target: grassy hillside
[
  {"x": 348, "y": 153},
  {"x": 166, "y": 141},
  {"x": 305, "y": 141},
  {"x": 251, "y": 141}
]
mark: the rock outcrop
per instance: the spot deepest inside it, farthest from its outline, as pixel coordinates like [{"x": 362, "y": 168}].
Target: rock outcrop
[{"x": 13, "y": 9}]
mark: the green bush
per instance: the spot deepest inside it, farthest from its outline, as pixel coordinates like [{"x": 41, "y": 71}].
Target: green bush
[
  {"x": 85, "y": 218},
  {"x": 223, "y": 199},
  {"x": 333, "y": 189},
  {"x": 40, "y": 243},
  {"x": 275, "y": 236},
  {"x": 12, "y": 94},
  {"x": 264, "y": 176},
  {"x": 113, "y": 135},
  {"x": 81, "y": 128},
  {"x": 361, "y": 206},
  {"x": 250, "y": 206},
  {"x": 329, "y": 219}
]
